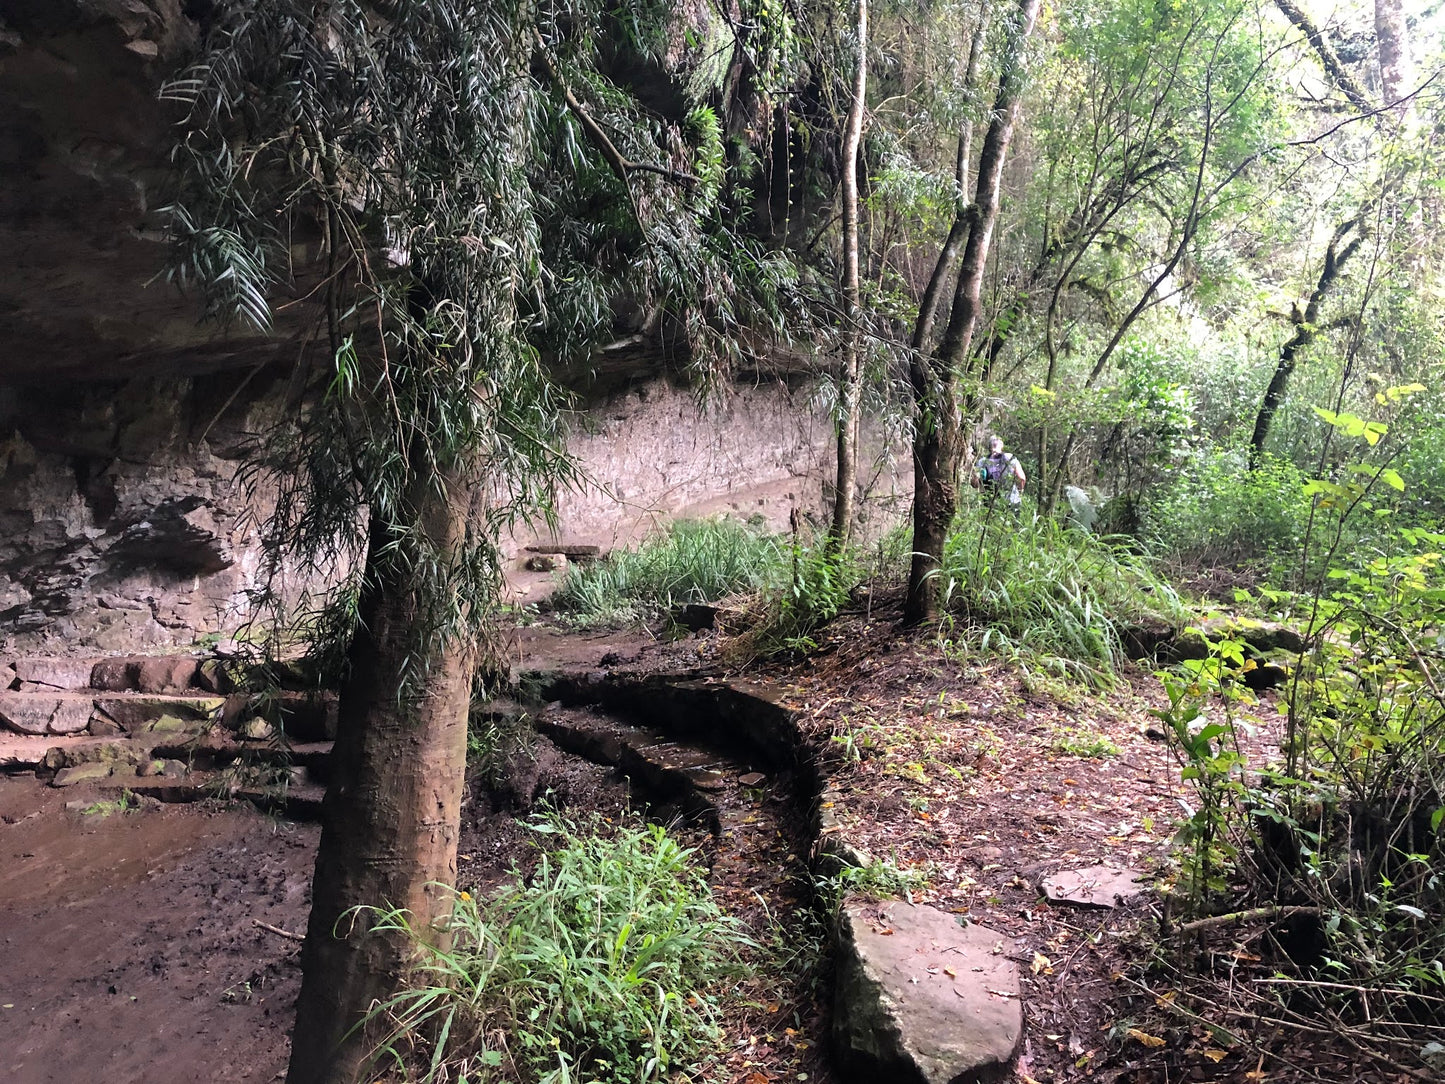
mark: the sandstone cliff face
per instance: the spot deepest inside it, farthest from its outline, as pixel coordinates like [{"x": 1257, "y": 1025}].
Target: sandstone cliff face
[
  {"x": 83, "y": 173},
  {"x": 124, "y": 524}
]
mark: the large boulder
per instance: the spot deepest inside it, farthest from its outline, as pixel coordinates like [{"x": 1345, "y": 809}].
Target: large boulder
[
  {"x": 145, "y": 674},
  {"x": 921, "y": 999},
  {"x": 1260, "y": 637}
]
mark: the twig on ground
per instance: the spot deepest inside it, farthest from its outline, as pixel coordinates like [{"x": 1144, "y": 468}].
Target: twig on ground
[
  {"x": 279, "y": 931},
  {"x": 1234, "y": 1037}
]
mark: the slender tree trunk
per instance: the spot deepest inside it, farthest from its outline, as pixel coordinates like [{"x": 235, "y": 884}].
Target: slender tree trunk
[
  {"x": 1305, "y": 330},
  {"x": 938, "y": 428},
  {"x": 392, "y": 811},
  {"x": 1397, "y": 70},
  {"x": 948, "y": 254},
  {"x": 850, "y": 379}
]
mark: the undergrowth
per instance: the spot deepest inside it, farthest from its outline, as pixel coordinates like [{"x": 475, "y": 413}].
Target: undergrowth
[
  {"x": 608, "y": 964},
  {"x": 694, "y": 561},
  {"x": 1336, "y": 851},
  {"x": 1050, "y": 595}
]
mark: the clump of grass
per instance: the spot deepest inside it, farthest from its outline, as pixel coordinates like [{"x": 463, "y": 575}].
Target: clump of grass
[
  {"x": 495, "y": 732},
  {"x": 125, "y": 803},
  {"x": 811, "y": 588},
  {"x": 607, "y": 964},
  {"x": 1084, "y": 743},
  {"x": 877, "y": 879},
  {"x": 1054, "y": 596},
  {"x": 695, "y": 561}
]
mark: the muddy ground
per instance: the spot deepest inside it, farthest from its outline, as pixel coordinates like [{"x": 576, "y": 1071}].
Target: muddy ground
[{"x": 131, "y": 945}]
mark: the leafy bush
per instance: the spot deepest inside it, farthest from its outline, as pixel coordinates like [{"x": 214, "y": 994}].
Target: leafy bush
[
  {"x": 1215, "y": 512},
  {"x": 1056, "y": 595},
  {"x": 1344, "y": 837},
  {"x": 817, "y": 587},
  {"x": 695, "y": 561},
  {"x": 606, "y": 965}
]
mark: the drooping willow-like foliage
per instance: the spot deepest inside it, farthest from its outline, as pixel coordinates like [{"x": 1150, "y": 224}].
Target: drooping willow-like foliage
[{"x": 456, "y": 191}]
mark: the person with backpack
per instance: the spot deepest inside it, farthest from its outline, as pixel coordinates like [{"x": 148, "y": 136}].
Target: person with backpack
[{"x": 998, "y": 472}]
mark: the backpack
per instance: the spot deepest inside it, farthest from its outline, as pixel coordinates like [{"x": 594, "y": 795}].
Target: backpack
[{"x": 992, "y": 469}]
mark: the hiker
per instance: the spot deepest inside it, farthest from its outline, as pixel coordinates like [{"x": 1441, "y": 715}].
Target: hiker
[{"x": 997, "y": 469}]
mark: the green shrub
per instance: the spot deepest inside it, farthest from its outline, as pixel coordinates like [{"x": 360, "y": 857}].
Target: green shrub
[
  {"x": 606, "y": 965},
  {"x": 695, "y": 561},
  {"x": 1057, "y": 596},
  {"x": 1215, "y": 512},
  {"x": 817, "y": 587}
]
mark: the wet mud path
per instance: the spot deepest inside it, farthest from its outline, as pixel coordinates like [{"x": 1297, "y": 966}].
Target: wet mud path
[{"x": 130, "y": 945}]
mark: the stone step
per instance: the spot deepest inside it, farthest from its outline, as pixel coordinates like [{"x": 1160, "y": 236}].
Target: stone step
[
  {"x": 27, "y": 674},
  {"x": 26, "y": 752},
  {"x": 218, "y": 751},
  {"x": 295, "y": 801},
  {"x": 182, "y": 773},
  {"x": 661, "y": 764},
  {"x": 116, "y": 674},
  {"x": 70, "y": 712},
  {"x": 574, "y": 551},
  {"x": 302, "y": 717}
]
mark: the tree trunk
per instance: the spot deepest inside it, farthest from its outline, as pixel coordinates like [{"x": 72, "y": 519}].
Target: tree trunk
[
  {"x": 1304, "y": 333},
  {"x": 1397, "y": 71},
  {"x": 1330, "y": 61},
  {"x": 948, "y": 254},
  {"x": 850, "y": 379},
  {"x": 392, "y": 812},
  {"x": 937, "y": 441}
]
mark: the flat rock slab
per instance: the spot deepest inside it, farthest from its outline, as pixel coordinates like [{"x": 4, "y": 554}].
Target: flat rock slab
[
  {"x": 920, "y": 998},
  {"x": 1093, "y": 886},
  {"x": 41, "y": 713},
  {"x": 135, "y": 711},
  {"x": 81, "y": 773},
  {"x": 574, "y": 550},
  {"x": 56, "y": 672},
  {"x": 22, "y": 752}
]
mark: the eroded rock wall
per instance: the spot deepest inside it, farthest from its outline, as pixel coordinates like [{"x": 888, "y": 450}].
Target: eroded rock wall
[
  {"x": 761, "y": 450},
  {"x": 122, "y": 525}
]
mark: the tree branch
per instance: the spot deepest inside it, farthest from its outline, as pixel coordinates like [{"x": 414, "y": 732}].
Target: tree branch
[
  {"x": 1234, "y": 918},
  {"x": 1332, "y": 65},
  {"x": 620, "y": 164}
]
